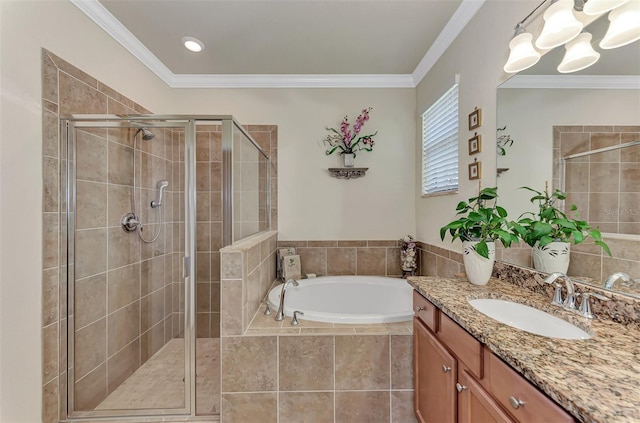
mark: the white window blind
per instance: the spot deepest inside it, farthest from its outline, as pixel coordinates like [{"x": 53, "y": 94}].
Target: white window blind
[{"x": 440, "y": 145}]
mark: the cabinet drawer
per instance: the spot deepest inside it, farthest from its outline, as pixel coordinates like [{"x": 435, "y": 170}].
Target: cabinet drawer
[
  {"x": 461, "y": 344},
  {"x": 508, "y": 387},
  {"x": 425, "y": 311}
]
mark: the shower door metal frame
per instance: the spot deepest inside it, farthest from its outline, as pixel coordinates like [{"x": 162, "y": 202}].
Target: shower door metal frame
[
  {"x": 67, "y": 243},
  {"x": 68, "y": 150}
]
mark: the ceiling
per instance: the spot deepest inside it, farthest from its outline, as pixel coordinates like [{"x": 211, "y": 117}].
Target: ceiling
[{"x": 339, "y": 42}]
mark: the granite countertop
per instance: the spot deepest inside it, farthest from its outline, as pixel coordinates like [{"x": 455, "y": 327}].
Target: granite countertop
[{"x": 596, "y": 380}]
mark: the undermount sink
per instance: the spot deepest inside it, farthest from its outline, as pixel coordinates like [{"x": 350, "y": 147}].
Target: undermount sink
[{"x": 527, "y": 318}]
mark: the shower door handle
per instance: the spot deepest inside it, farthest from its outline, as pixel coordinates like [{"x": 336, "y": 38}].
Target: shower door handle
[{"x": 186, "y": 272}]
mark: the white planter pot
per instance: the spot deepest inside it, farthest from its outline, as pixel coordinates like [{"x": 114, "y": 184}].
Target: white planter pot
[
  {"x": 348, "y": 159},
  {"x": 478, "y": 268},
  {"x": 553, "y": 257}
]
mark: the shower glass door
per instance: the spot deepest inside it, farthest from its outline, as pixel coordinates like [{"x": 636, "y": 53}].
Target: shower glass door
[{"x": 130, "y": 263}]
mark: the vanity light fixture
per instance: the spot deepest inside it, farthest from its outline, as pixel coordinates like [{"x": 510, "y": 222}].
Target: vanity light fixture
[
  {"x": 624, "y": 27},
  {"x": 523, "y": 55},
  {"x": 193, "y": 44},
  {"x": 596, "y": 7},
  {"x": 579, "y": 55},
  {"x": 560, "y": 25}
]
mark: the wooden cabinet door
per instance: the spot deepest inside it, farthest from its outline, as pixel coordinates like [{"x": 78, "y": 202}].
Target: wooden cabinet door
[
  {"x": 475, "y": 405},
  {"x": 435, "y": 378}
]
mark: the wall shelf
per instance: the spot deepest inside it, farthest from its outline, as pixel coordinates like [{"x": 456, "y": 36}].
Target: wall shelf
[{"x": 347, "y": 172}]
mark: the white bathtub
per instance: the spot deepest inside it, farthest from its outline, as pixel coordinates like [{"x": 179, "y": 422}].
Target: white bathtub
[{"x": 347, "y": 299}]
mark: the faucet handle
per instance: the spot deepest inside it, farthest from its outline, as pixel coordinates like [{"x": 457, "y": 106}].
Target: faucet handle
[
  {"x": 585, "y": 303},
  {"x": 294, "y": 321},
  {"x": 267, "y": 308},
  {"x": 557, "y": 295}
]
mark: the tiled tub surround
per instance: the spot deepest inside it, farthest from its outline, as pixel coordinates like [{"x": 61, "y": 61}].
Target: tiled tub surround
[
  {"x": 318, "y": 373},
  {"x": 333, "y": 258},
  {"x": 595, "y": 379}
]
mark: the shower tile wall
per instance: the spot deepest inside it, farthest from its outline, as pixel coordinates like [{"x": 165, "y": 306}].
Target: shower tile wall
[{"x": 108, "y": 260}]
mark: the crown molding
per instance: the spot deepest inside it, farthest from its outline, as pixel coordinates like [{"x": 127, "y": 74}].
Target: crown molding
[
  {"x": 105, "y": 20},
  {"x": 462, "y": 16},
  {"x": 604, "y": 82},
  {"x": 291, "y": 81}
]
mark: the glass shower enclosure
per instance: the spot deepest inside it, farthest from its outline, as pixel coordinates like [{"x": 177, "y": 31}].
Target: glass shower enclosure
[{"x": 147, "y": 202}]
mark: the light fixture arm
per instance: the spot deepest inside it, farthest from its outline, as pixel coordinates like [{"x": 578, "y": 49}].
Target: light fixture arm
[{"x": 520, "y": 25}]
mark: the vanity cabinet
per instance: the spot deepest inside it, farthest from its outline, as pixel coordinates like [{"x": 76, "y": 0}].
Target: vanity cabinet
[{"x": 457, "y": 379}]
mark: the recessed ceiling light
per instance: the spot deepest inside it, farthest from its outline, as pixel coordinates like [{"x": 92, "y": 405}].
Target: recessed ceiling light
[{"x": 193, "y": 44}]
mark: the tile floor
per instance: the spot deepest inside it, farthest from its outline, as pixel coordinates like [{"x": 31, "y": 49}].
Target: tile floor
[{"x": 159, "y": 383}]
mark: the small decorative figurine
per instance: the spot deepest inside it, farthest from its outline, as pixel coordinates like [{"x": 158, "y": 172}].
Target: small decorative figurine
[{"x": 408, "y": 256}]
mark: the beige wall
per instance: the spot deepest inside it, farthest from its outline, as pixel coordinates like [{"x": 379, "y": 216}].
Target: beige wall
[
  {"x": 477, "y": 55},
  {"x": 551, "y": 107},
  {"x": 377, "y": 206}
]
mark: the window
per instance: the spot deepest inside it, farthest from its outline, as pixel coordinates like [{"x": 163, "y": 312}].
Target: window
[{"x": 440, "y": 145}]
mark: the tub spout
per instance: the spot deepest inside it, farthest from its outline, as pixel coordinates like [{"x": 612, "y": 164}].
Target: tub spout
[{"x": 280, "y": 313}]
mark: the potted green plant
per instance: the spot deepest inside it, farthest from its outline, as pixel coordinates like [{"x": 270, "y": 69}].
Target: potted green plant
[
  {"x": 480, "y": 224},
  {"x": 550, "y": 232}
]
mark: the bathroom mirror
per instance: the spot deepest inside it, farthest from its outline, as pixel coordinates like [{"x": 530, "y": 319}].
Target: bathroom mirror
[{"x": 548, "y": 115}]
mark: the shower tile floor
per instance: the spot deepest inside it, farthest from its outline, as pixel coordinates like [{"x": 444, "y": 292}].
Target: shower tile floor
[{"x": 158, "y": 383}]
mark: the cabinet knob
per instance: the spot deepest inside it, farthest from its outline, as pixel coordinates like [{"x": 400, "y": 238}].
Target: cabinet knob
[
  {"x": 419, "y": 308},
  {"x": 515, "y": 402},
  {"x": 446, "y": 368},
  {"x": 460, "y": 388}
]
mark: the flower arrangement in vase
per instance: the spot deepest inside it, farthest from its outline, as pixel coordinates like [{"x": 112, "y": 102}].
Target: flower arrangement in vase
[{"x": 348, "y": 139}]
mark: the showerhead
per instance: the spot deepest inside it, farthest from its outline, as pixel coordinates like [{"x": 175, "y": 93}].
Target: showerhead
[{"x": 146, "y": 134}]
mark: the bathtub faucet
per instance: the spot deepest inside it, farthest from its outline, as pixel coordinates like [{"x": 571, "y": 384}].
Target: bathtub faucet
[{"x": 280, "y": 314}]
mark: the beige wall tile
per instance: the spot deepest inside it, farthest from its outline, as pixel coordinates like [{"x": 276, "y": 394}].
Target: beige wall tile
[
  {"x": 371, "y": 261},
  {"x": 49, "y": 77},
  {"x": 629, "y": 177},
  {"x": 50, "y": 402},
  {"x": 313, "y": 260},
  {"x": 586, "y": 265},
  {"x": 50, "y": 187},
  {"x": 92, "y": 389},
  {"x": 120, "y": 164},
  {"x": 603, "y": 177},
  {"x": 77, "y": 97},
  {"x": 124, "y": 327},
  {"x": 203, "y": 267},
  {"x": 363, "y": 406},
  {"x": 151, "y": 341},
  {"x": 306, "y": 407},
  {"x": 91, "y": 252},
  {"x": 123, "y": 286},
  {"x": 256, "y": 407},
  {"x": 248, "y": 364},
  {"x": 306, "y": 363},
  {"x": 151, "y": 310},
  {"x": 231, "y": 264},
  {"x": 119, "y": 203},
  {"x": 50, "y": 289},
  {"x": 90, "y": 343},
  {"x": 90, "y": 299},
  {"x": 572, "y": 143},
  {"x": 401, "y": 361},
  {"x": 371, "y": 370},
  {"x": 231, "y": 307},
  {"x": 50, "y": 353},
  {"x": 124, "y": 248},
  {"x": 122, "y": 365},
  {"x": 341, "y": 261},
  {"x": 393, "y": 262},
  {"x": 91, "y": 155},
  {"x": 152, "y": 274}
]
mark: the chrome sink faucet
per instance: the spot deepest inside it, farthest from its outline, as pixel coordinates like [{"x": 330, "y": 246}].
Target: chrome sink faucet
[
  {"x": 614, "y": 277},
  {"x": 570, "y": 300},
  {"x": 280, "y": 313}
]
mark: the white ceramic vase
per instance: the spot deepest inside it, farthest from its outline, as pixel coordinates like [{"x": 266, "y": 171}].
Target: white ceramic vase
[
  {"x": 553, "y": 257},
  {"x": 348, "y": 159},
  {"x": 478, "y": 268}
]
